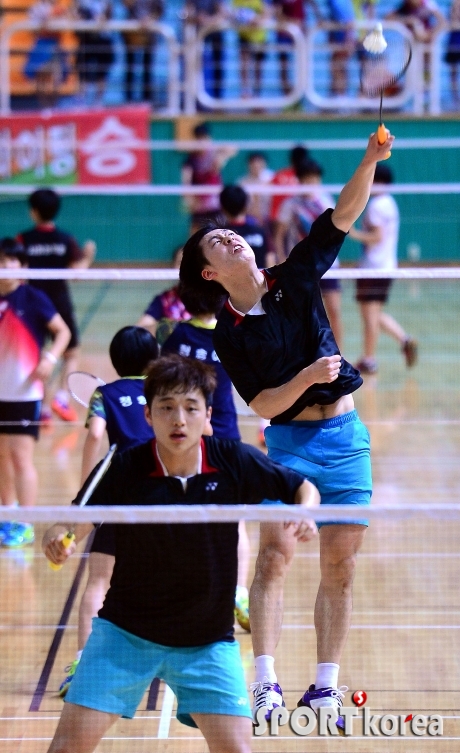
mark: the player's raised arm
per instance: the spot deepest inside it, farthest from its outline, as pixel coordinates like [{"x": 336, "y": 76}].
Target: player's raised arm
[{"x": 355, "y": 194}]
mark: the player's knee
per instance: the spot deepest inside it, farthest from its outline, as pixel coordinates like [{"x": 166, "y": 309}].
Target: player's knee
[
  {"x": 273, "y": 562},
  {"x": 339, "y": 570}
]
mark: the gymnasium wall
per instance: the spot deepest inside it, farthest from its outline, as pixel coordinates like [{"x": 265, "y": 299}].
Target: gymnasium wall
[{"x": 130, "y": 229}]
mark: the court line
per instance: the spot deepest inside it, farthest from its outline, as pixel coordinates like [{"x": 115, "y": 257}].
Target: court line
[
  {"x": 353, "y": 738},
  {"x": 152, "y": 697},
  {"x": 56, "y": 642},
  {"x": 166, "y": 713},
  {"x": 381, "y": 627}
]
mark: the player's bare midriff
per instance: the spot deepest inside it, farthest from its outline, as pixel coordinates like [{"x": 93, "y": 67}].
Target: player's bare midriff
[{"x": 343, "y": 405}]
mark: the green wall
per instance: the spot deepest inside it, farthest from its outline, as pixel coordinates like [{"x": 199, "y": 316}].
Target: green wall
[{"x": 147, "y": 228}]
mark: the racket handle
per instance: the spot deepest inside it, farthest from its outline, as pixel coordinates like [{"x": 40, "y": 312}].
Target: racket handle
[
  {"x": 66, "y": 542},
  {"x": 382, "y": 137}
]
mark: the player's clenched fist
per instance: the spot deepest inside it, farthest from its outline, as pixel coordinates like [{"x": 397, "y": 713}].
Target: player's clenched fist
[{"x": 325, "y": 369}]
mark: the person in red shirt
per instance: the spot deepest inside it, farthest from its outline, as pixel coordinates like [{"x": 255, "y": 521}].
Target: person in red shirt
[{"x": 286, "y": 177}]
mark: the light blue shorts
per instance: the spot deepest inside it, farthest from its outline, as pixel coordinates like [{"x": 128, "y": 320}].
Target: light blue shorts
[
  {"x": 333, "y": 454},
  {"x": 117, "y": 667}
]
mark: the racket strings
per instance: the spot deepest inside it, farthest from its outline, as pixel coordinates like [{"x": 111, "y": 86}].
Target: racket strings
[
  {"x": 380, "y": 72},
  {"x": 82, "y": 386}
]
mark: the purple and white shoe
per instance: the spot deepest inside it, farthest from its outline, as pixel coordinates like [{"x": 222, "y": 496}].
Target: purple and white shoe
[
  {"x": 331, "y": 697},
  {"x": 267, "y": 695}
]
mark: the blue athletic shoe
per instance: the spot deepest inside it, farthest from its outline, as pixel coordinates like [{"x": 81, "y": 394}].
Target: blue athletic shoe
[
  {"x": 18, "y": 535},
  {"x": 267, "y": 695},
  {"x": 332, "y": 697}
]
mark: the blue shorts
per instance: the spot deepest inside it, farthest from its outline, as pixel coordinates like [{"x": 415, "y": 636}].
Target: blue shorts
[
  {"x": 333, "y": 454},
  {"x": 117, "y": 667}
]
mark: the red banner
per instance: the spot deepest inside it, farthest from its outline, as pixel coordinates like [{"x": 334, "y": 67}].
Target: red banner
[{"x": 90, "y": 147}]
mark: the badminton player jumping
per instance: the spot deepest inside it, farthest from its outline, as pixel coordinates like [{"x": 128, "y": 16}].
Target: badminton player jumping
[{"x": 276, "y": 344}]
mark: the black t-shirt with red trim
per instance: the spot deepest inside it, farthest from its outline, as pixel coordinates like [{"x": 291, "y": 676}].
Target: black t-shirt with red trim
[
  {"x": 174, "y": 584},
  {"x": 264, "y": 351}
]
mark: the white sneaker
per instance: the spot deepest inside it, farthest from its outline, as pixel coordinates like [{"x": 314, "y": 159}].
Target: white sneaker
[{"x": 267, "y": 695}]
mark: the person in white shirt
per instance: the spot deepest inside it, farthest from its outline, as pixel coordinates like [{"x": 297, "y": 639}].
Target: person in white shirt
[{"x": 379, "y": 235}]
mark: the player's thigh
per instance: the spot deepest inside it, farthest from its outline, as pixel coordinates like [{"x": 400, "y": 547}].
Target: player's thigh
[
  {"x": 80, "y": 729},
  {"x": 225, "y": 734},
  {"x": 22, "y": 448}
]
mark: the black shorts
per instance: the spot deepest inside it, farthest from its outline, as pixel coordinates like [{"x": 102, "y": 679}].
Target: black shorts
[
  {"x": 64, "y": 306},
  {"x": 330, "y": 284},
  {"x": 26, "y": 414},
  {"x": 104, "y": 539},
  {"x": 372, "y": 290}
]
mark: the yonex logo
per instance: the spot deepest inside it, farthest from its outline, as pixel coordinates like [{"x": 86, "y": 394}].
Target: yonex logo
[
  {"x": 278, "y": 295},
  {"x": 212, "y": 486}
]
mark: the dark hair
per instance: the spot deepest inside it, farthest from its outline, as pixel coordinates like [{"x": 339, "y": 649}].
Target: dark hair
[
  {"x": 11, "y": 247},
  {"x": 256, "y": 155},
  {"x": 383, "y": 174},
  {"x": 196, "y": 303},
  {"x": 233, "y": 200},
  {"x": 46, "y": 203},
  {"x": 297, "y": 154},
  {"x": 308, "y": 167},
  {"x": 131, "y": 351},
  {"x": 192, "y": 264},
  {"x": 202, "y": 129},
  {"x": 174, "y": 372}
]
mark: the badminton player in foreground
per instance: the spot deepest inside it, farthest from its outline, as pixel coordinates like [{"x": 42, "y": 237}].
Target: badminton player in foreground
[
  {"x": 276, "y": 344},
  {"x": 169, "y": 609}
]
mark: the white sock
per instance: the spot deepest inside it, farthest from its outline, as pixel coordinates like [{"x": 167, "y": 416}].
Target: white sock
[
  {"x": 78, "y": 655},
  {"x": 327, "y": 675},
  {"x": 265, "y": 667},
  {"x": 62, "y": 396}
]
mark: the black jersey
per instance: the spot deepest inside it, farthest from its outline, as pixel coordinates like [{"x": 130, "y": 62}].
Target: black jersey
[
  {"x": 47, "y": 247},
  {"x": 264, "y": 351},
  {"x": 174, "y": 584}
]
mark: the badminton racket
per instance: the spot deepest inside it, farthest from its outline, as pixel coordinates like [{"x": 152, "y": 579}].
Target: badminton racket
[
  {"x": 82, "y": 385},
  {"x": 385, "y": 61},
  {"x": 70, "y": 535}
]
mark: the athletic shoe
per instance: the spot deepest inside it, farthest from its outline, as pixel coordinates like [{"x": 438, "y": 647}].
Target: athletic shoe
[
  {"x": 267, "y": 695},
  {"x": 242, "y": 610},
  {"x": 65, "y": 684},
  {"x": 64, "y": 410},
  {"x": 410, "y": 351},
  {"x": 18, "y": 535},
  {"x": 45, "y": 416},
  {"x": 367, "y": 366},
  {"x": 332, "y": 697}
]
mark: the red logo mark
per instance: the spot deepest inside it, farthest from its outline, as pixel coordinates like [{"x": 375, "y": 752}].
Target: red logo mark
[
  {"x": 408, "y": 718},
  {"x": 359, "y": 698}
]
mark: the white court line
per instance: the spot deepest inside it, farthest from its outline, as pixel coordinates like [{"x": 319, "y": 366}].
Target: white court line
[
  {"x": 264, "y": 739},
  {"x": 381, "y": 627},
  {"x": 166, "y": 713}
]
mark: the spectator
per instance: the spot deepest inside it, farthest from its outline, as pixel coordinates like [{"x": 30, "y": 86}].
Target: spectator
[
  {"x": 234, "y": 201},
  {"x": 140, "y": 44},
  {"x": 48, "y": 247},
  {"x": 343, "y": 43},
  {"x": 258, "y": 172},
  {"x": 286, "y": 177},
  {"x": 293, "y": 12},
  {"x": 249, "y": 15},
  {"x": 425, "y": 20},
  {"x": 167, "y": 305},
  {"x": 27, "y": 317},
  {"x": 47, "y": 62},
  {"x": 295, "y": 218},
  {"x": 202, "y": 168},
  {"x": 202, "y": 13},
  {"x": 95, "y": 48},
  {"x": 452, "y": 56},
  {"x": 379, "y": 236}
]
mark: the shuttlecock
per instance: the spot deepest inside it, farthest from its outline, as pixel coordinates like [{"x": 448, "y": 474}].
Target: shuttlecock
[{"x": 375, "y": 42}]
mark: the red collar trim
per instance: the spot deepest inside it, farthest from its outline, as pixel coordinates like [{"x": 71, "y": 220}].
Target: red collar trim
[
  {"x": 158, "y": 471},
  {"x": 46, "y": 227},
  {"x": 270, "y": 280},
  {"x": 236, "y": 314}
]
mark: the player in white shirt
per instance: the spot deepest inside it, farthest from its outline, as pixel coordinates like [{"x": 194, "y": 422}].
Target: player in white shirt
[{"x": 379, "y": 235}]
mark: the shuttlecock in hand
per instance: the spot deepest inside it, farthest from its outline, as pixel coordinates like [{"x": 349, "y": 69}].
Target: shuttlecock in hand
[{"x": 375, "y": 42}]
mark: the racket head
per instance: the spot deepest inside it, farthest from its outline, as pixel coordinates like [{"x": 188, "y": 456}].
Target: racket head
[
  {"x": 381, "y": 71},
  {"x": 82, "y": 385}
]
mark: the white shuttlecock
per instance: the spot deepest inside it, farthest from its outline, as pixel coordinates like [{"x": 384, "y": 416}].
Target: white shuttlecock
[{"x": 375, "y": 42}]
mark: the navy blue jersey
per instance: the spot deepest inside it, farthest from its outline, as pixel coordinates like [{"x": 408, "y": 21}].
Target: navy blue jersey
[
  {"x": 195, "y": 341},
  {"x": 174, "y": 584},
  {"x": 266, "y": 351},
  {"x": 121, "y": 405}
]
